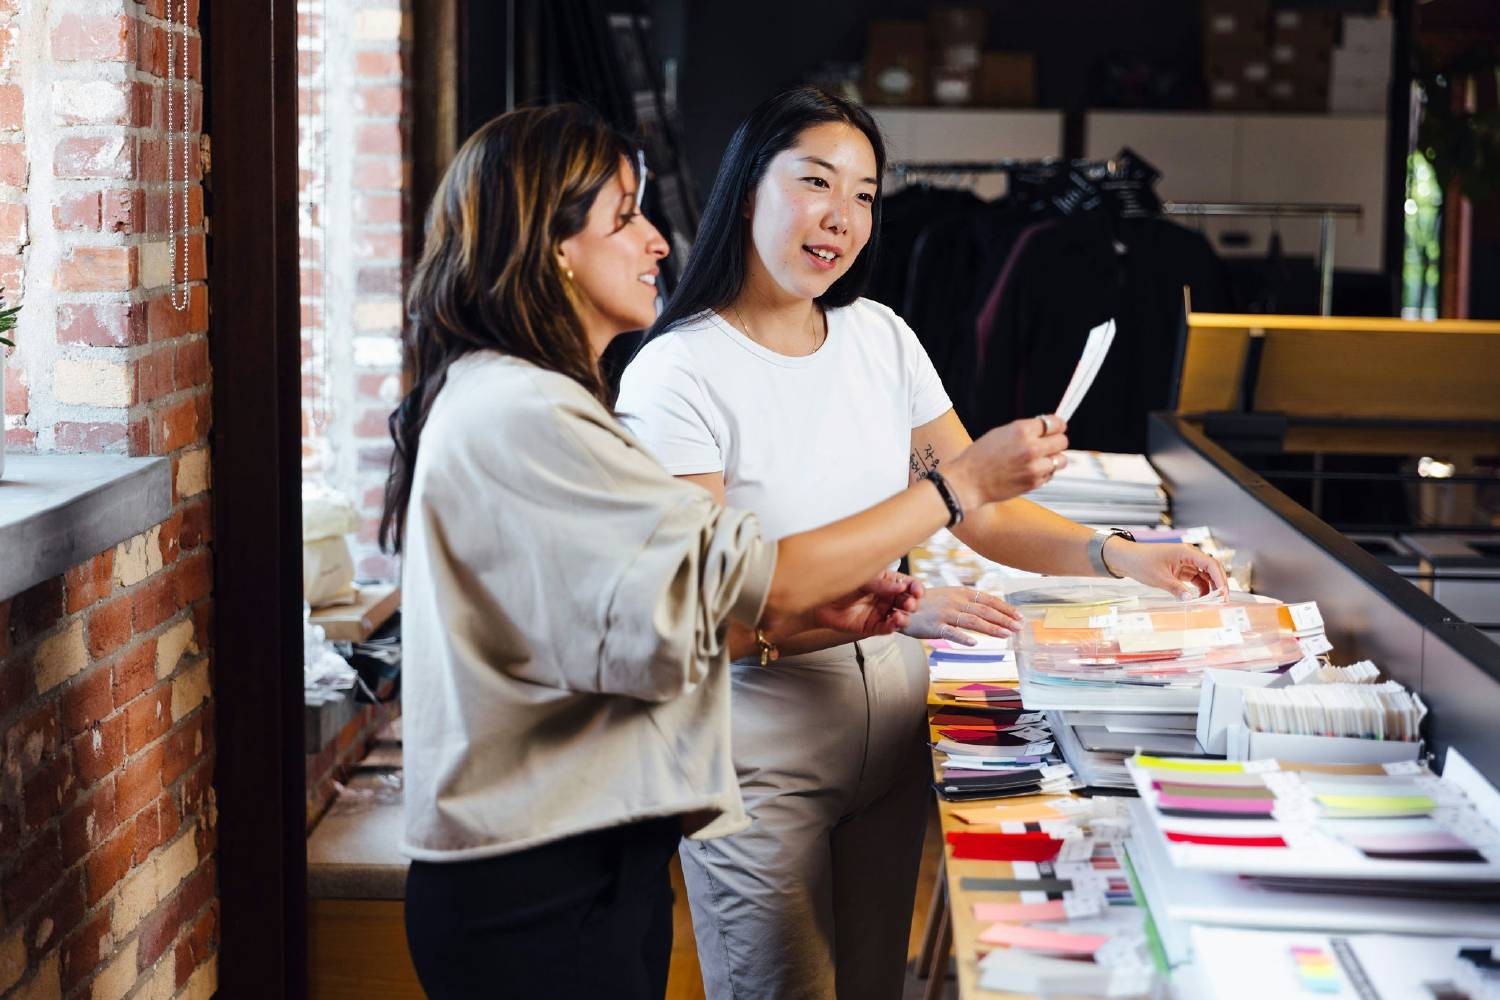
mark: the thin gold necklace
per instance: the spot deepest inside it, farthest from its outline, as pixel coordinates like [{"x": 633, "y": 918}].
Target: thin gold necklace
[{"x": 817, "y": 340}]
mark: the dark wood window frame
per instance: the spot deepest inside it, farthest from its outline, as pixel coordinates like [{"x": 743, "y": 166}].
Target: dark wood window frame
[{"x": 251, "y": 115}]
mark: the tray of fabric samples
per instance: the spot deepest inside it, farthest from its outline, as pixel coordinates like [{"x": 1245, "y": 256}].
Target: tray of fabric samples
[{"x": 1378, "y": 828}]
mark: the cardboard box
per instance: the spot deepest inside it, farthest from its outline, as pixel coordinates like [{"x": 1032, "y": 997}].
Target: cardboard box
[
  {"x": 1358, "y": 96},
  {"x": 1366, "y": 67},
  {"x": 1007, "y": 80},
  {"x": 1294, "y": 94},
  {"x": 1308, "y": 28},
  {"x": 373, "y": 607},
  {"x": 1234, "y": 24},
  {"x": 1236, "y": 95},
  {"x": 1248, "y": 68},
  {"x": 896, "y": 63},
  {"x": 953, "y": 87},
  {"x": 1301, "y": 61},
  {"x": 956, "y": 35},
  {"x": 1371, "y": 35}
]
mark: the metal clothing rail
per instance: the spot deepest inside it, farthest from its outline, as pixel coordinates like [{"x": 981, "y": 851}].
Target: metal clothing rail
[{"x": 1324, "y": 213}]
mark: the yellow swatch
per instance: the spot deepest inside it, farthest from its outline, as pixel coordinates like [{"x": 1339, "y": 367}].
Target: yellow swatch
[
  {"x": 1378, "y": 803},
  {"x": 1179, "y": 764}
]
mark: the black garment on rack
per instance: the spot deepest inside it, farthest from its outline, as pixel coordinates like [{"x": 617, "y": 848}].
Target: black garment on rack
[
  {"x": 903, "y": 217},
  {"x": 1070, "y": 277}
]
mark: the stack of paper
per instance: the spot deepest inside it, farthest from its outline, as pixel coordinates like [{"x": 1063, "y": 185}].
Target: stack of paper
[
  {"x": 1180, "y": 899},
  {"x": 1097, "y": 744},
  {"x": 995, "y": 752},
  {"x": 1098, "y": 487}
]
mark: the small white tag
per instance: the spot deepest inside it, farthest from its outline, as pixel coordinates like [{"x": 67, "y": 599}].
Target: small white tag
[
  {"x": 1076, "y": 849},
  {"x": 1237, "y": 618},
  {"x": 1315, "y": 645},
  {"x": 1028, "y": 718},
  {"x": 1403, "y": 767},
  {"x": 1051, "y": 771},
  {"x": 1228, "y": 637},
  {"x": 1305, "y": 616},
  {"x": 1137, "y": 622},
  {"x": 1033, "y": 896},
  {"x": 1304, "y": 668},
  {"x": 1031, "y": 733},
  {"x": 1079, "y": 907},
  {"x": 1102, "y": 621},
  {"x": 1036, "y": 749},
  {"x": 1012, "y": 827}
]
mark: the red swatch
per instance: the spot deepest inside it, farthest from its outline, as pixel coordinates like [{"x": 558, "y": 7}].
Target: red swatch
[
  {"x": 1004, "y": 846},
  {"x": 1203, "y": 838}
]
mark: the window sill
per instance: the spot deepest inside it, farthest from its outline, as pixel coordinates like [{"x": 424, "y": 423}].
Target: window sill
[{"x": 57, "y": 511}]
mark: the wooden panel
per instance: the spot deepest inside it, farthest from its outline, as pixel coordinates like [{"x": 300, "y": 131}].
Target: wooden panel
[
  {"x": 357, "y": 951},
  {"x": 1421, "y": 376},
  {"x": 1211, "y": 371},
  {"x": 1374, "y": 324},
  {"x": 1328, "y": 366},
  {"x": 1390, "y": 441}
]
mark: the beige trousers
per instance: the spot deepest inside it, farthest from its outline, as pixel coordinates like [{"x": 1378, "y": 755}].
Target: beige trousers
[{"x": 814, "y": 900}]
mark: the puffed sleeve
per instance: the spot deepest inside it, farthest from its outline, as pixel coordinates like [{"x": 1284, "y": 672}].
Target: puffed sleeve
[{"x": 627, "y": 575}]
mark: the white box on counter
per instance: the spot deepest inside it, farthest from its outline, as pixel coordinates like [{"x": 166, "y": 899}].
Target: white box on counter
[{"x": 1246, "y": 744}]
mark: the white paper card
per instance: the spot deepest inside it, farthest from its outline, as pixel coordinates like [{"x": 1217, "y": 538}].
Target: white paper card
[
  {"x": 1092, "y": 359},
  {"x": 1305, "y": 616}
]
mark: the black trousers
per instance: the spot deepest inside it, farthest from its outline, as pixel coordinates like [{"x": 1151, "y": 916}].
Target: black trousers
[{"x": 587, "y": 917}]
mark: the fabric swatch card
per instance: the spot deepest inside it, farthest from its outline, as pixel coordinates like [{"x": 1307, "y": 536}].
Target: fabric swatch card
[{"x": 1048, "y": 942}]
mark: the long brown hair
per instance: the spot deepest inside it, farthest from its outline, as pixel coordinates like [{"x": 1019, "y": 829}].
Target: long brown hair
[{"x": 489, "y": 278}]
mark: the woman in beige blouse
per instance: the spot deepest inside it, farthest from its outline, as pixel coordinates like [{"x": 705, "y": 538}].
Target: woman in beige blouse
[{"x": 570, "y": 608}]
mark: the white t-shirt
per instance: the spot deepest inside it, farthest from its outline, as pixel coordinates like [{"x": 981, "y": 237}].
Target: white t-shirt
[{"x": 801, "y": 441}]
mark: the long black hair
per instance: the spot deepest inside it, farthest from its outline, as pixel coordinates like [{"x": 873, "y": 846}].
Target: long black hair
[
  {"x": 489, "y": 277},
  {"x": 715, "y": 271}
]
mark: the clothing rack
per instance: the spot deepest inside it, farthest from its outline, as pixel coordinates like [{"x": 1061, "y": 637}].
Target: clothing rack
[{"x": 1324, "y": 213}]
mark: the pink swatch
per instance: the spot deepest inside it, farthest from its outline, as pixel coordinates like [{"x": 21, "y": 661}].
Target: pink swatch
[
  {"x": 1257, "y": 807},
  {"x": 1053, "y": 909},
  {"x": 1034, "y": 939}
]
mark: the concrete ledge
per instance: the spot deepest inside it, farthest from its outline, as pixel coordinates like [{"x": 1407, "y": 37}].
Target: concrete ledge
[{"x": 58, "y": 510}]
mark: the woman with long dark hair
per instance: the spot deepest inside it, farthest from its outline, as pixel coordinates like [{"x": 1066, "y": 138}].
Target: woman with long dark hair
[
  {"x": 570, "y": 608},
  {"x": 770, "y": 382}
]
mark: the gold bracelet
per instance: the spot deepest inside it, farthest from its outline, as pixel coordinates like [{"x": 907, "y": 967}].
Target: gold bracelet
[{"x": 768, "y": 650}]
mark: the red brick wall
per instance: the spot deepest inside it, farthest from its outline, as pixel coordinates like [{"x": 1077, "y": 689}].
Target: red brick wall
[
  {"x": 107, "y": 818},
  {"x": 353, "y": 198}
]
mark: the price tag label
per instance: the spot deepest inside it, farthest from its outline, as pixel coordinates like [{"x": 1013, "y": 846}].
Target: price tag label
[
  {"x": 1305, "y": 616},
  {"x": 1403, "y": 767},
  {"x": 1029, "y": 718},
  {"x": 1237, "y": 618},
  {"x": 1315, "y": 645},
  {"x": 1036, "y": 749},
  {"x": 1103, "y": 621},
  {"x": 1134, "y": 623}
]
